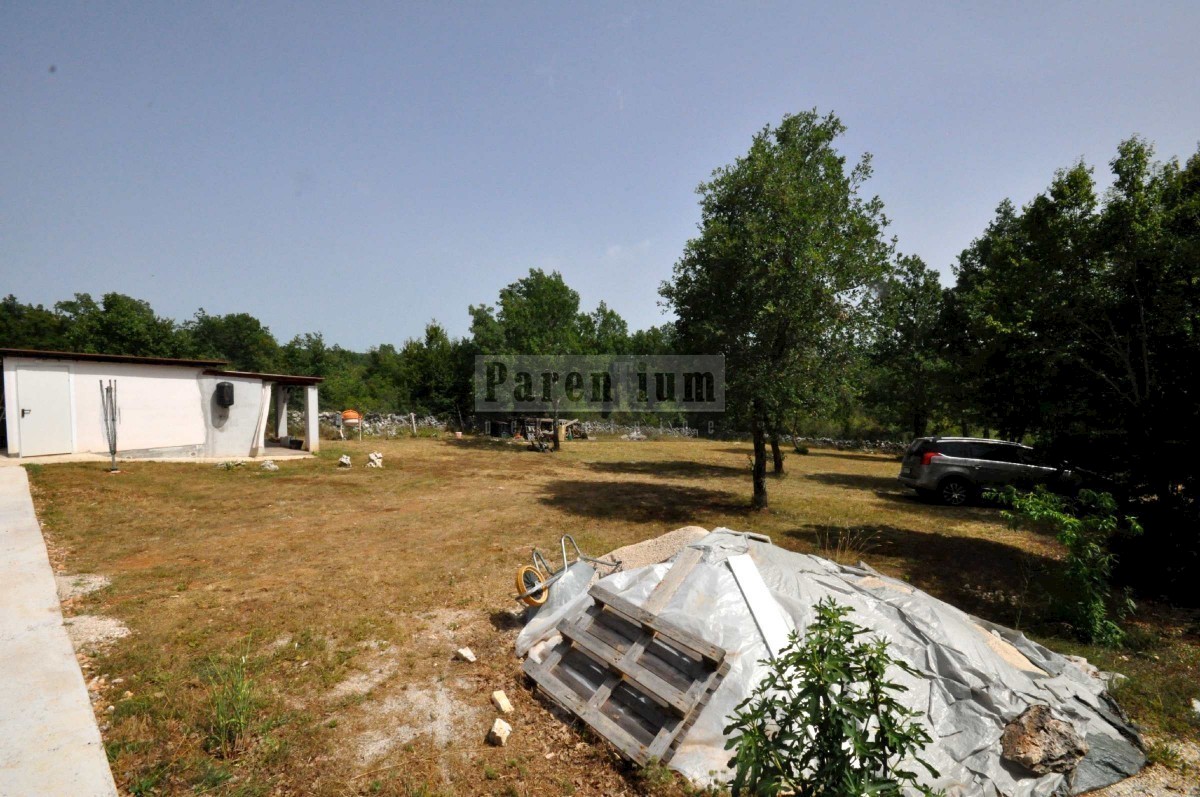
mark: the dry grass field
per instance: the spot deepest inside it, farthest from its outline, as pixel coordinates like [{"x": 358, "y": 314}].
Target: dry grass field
[{"x": 293, "y": 632}]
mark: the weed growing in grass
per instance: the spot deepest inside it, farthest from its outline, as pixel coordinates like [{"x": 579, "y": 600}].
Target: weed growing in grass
[
  {"x": 232, "y": 706},
  {"x": 1164, "y": 753},
  {"x": 1084, "y": 525},
  {"x": 847, "y": 546},
  {"x": 211, "y": 776},
  {"x": 654, "y": 777},
  {"x": 147, "y": 781}
]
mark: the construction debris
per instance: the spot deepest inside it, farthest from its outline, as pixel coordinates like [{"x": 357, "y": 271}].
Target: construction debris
[
  {"x": 1041, "y": 743},
  {"x": 344, "y": 461},
  {"x": 375, "y": 459},
  {"x": 269, "y": 465},
  {"x": 465, "y": 654},
  {"x": 499, "y": 733},
  {"x": 656, "y": 658},
  {"x": 501, "y": 702}
]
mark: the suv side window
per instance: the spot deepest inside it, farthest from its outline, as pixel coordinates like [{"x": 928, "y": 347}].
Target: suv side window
[
  {"x": 958, "y": 449},
  {"x": 998, "y": 453}
]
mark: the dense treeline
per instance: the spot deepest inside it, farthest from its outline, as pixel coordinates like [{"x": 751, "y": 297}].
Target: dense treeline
[
  {"x": 1075, "y": 321},
  {"x": 430, "y": 375}
]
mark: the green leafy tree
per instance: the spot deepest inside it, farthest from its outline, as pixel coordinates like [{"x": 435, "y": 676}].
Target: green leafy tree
[
  {"x": 238, "y": 338},
  {"x": 1076, "y": 321},
  {"x": 604, "y": 332},
  {"x": 537, "y": 314},
  {"x": 306, "y": 355},
  {"x": 776, "y": 278},
  {"x": 654, "y": 340},
  {"x": 119, "y": 324},
  {"x": 908, "y": 368},
  {"x": 825, "y": 721},
  {"x": 27, "y": 326}
]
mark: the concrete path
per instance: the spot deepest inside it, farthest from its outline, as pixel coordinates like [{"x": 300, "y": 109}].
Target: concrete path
[
  {"x": 49, "y": 743},
  {"x": 277, "y": 454}
]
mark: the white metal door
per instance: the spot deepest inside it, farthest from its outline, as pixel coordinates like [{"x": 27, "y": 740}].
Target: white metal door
[{"x": 44, "y": 410}]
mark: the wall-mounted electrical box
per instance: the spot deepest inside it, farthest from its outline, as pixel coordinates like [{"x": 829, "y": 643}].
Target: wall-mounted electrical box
[{"x": 225, "y": 394}]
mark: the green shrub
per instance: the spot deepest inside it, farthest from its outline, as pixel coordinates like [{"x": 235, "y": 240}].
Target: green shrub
[
  {"x": 1085, "y": 525},
  {"x": 232, "y": 706},
  {"x": 825, "y": 721}
]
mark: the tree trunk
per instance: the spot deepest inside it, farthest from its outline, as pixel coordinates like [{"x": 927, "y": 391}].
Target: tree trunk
[
  {"x": 776, "y": 454},
  {"x": 920, "y": 423},
  {"x": 759, "y": 500}
]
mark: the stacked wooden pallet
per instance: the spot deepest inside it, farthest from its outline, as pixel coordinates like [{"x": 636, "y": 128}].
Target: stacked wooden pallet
[{"x": 634, "y": 678}]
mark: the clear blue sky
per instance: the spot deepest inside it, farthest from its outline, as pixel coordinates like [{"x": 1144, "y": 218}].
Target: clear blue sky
[{"x": 359, "y": 169}]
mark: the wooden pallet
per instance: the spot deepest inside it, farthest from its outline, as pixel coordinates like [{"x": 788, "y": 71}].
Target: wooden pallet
[{"x": 635, "y": 679}]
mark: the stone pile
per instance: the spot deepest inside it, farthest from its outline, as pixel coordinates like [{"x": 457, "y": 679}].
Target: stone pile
[
  {"x": 376, "y": 423},
  {"x": 869, "y": 446}
]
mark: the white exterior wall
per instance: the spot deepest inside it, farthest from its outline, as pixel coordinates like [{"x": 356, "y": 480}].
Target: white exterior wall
[
  {"x": 159, "y": 406},
  {"x": 11, "y": 411},
  {"x": 163, "y": 409},
  {"x": 231, "y": 431}
]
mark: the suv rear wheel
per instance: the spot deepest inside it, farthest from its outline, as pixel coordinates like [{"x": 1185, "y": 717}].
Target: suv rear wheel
[{"x": 955, "y": 491}]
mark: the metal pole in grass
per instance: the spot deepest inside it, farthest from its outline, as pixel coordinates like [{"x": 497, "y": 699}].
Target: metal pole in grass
[{"x": 108, "y": 406}]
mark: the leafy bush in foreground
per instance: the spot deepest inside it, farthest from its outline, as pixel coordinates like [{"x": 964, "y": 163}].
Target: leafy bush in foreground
[
  {"x": 1085, "y": 525},
  {"x": 825, "y": 722}
]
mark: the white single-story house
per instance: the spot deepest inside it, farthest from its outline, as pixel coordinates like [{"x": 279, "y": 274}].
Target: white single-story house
[{"x": 52, "y": 404}]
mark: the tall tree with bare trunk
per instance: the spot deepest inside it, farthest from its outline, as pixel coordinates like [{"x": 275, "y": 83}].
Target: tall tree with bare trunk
[{"x": 786, "y": 251}]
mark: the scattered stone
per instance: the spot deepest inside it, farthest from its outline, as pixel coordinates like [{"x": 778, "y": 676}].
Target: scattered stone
[
  {"x": 466, "y": 654},
  {"x": 1041, "y": 743},
  {"x": 375, "y": 459},
  {"x": 269, "y": 465},
  {"x": 344, "y": 461},
  {"x": 90, "y": 632},
  {"x": 127, "y": 694},
  {"x": 80, "y": 584},
  {"x": 1196, "y": 707},
  {"x": 500, "y": 700},
  {"x": 498, "y": 735}
]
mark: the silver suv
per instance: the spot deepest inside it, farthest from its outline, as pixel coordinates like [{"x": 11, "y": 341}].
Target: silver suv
[{"x": 956, "y": 469}]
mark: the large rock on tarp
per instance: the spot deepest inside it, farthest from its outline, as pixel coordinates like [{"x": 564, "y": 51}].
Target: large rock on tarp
[{"x": 1041, "y": 743}]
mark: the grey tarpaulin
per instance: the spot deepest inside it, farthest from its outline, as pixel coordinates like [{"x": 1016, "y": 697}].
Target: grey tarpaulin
[{"x": 974, "y": 676}]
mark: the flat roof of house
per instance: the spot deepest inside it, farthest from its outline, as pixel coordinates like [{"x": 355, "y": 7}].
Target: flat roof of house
[
  {"x": 108, "y": 358},
  {"x": 282, "y": 379}
]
